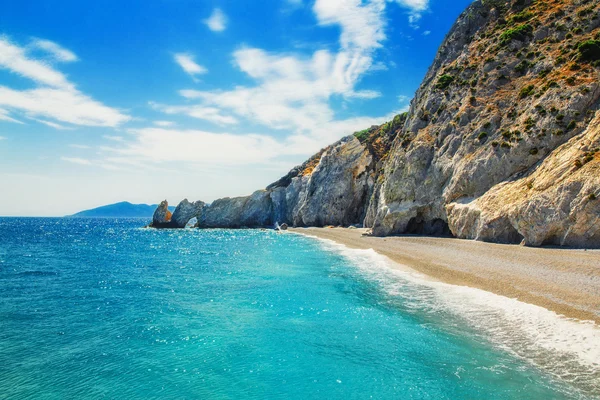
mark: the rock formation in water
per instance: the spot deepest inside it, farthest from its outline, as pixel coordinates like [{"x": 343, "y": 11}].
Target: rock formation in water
[
  {"x": 184, "y": 212},
  {"x": 501, "y": 142},
  {"x": 162, "y": 215}
]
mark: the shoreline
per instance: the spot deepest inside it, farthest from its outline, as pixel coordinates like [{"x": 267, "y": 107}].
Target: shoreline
[{"x": 565, "y": 281}]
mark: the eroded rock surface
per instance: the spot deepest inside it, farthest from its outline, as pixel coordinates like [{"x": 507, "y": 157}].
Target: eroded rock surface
[
  {"x": 557, "y": 204},
  {"x": 185, "y": 212},
  {"x": 507, "y": 90},
  {"x": 162, "y": 215}
]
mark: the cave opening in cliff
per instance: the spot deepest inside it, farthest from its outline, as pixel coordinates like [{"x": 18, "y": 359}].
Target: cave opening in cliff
[
  {"x": 420, "y": 226},
  {"x": 512, "y": 235}
]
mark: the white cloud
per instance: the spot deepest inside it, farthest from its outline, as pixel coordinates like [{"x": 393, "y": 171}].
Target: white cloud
[
  {"x": 69, "y": 106},
  {"x": 414, "y": 5},
  {"x": 51, "y": 124},
  {"x": 55, "y": 98},
  {"x": 80, "y": 146},
  {"x": 114, "y": 138},
  {"x": 211, "y": 114},
  {"x": 426, "y": 33},
  {"x": 217, "y": 22},
  {"x": 292, "y": 92},
  {"x": 164, "y": 124},
  {"x": 16, "y": 60},
  {"x": 4, "y": 117},
  {"x": 187, "y": 63},
  {"x": 404, "y": 102},
  {"x": 362, "y": 24},
  {"x": 158, "y": 145},
  {"x": 2, "y": 138},
  {"x": 379, "y": 66},
  {"x": 59, "y": 53},
  {"x": 416, "y": 9},
  {"x": 163, "y": 145},
  {"x": 76, "y": 160},
  {"x": 413, "y": 20}
]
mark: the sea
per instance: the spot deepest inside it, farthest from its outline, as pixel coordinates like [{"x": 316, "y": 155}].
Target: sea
[{"x": 105, "y": 309}]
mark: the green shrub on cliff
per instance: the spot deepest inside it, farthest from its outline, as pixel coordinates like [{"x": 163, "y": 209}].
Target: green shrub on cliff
[
  {"x": 522, "y": 16},
  {"x": 526, "y": 91},
  {"x": 589, "y": 50},
  {"x": 399, "y": 119},
  {"x": 520, "y": 32},
  {"x": 444, "y": 81},
  {"x": 362, "y": 135}
]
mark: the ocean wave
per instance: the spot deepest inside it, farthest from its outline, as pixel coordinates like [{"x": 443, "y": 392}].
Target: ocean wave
[{"x": 566, "y": 348}]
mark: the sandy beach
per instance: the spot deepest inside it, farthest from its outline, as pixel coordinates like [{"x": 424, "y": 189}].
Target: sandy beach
[{"x": 566, "y": 281}]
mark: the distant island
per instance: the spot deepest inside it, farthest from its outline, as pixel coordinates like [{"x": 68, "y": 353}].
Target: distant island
[{"x": 123, "y": 209}]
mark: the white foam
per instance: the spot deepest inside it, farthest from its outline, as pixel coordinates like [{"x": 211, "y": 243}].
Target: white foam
[{"x": 566, "y": 348}]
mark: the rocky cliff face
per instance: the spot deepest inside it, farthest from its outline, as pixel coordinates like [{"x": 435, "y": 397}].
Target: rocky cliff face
[
  {"x": 556, "y": 204},
  {"x": 331, "y": 188},
  {"x": 500, "y": 143},
  {"x": 509, "y": 86}
]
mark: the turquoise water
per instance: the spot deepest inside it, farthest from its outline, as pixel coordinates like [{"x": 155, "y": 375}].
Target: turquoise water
[{"x": 102, "y": 309}]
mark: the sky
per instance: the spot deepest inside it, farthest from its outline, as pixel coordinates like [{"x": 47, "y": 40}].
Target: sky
[{"x": 142, "y": 101}]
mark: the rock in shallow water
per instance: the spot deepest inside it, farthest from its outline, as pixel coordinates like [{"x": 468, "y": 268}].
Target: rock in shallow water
[
  {"x": 186, "y": 211},
  {"x": 162, "y": 215}
]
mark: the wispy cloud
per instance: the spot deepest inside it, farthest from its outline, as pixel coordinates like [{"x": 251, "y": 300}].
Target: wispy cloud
[
  {"x": 292, "y": 92},
  {"x": 151, "y": 146},
  {"x": 414, "y": 5},
  {"x": 55, "y": 98},
  {"x": 64, "y": 105},
  {"x": 164, "y": 124},
  {"x": 188, "y": 64},
  {"x": 114, "y": 138},
  {"x": 80, "y": 146},
  {"x": 76, "y": 160},
  {"x": 4, "y": 117},
  {"x": 416, "y": 9},
  {"x": 2, "y": 138},
  {"x": 14, "y": 58},
  {"x": 217, "y": 22},
  {"x": 56, "y": 51},
  {"x": 211, "y": 114},
  {"x": 362, "y": 23},
  {"x": 51, "y": 124},
  {"x": 404, "y": 102}
]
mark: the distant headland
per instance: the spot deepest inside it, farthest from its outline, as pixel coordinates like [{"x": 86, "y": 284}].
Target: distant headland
[{"x": 123, "y": 209}]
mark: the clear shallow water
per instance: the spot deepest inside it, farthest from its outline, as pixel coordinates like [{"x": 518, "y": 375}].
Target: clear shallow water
[{"x": 101, "y": 309}]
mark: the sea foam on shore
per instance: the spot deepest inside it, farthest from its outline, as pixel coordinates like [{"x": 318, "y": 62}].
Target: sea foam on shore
[{"x": 566, "y": 348}]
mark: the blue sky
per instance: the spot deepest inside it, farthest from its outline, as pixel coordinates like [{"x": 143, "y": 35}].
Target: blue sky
[{"x": 146, "y": 100}]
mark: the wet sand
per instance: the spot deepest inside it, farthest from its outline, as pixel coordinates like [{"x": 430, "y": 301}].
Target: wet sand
[{"x": 566, "y": 281}]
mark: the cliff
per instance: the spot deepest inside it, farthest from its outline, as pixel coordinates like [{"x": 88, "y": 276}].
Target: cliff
[
  {"x": 505, "y": 103},
  {"x": 500, "y": 143},
  {"x": 331, "y": 188}
]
